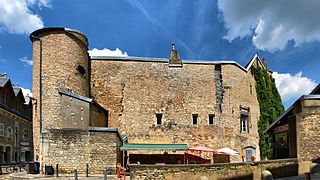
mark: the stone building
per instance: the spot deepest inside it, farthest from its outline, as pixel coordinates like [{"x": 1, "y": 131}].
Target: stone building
[
  {"x": 82, "y": 100},
  {"x": 295, "y": 134},
  {"x": 15, "y": 124}
]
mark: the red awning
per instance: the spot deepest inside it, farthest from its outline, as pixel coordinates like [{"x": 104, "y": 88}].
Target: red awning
[{"x": 202, "y": 148}]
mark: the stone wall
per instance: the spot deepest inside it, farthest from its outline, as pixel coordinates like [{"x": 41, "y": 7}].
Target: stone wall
[
  {"x": 21, "y": 144},
  {"x": 239, "y": 171},
  {"x": 73, "y": 149},
  {"x": 62, "y": 53},
  {"x": 308, "y": 130},
  {"x": 135, "y": 91}
]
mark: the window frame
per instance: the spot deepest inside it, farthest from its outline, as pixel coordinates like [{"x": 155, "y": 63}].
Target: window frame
[
  {"x": 2, "y": 129},
  {"x": 9, "y": 132},
  {"x": 25, "y": 136},
  {"x": 16, "y": 136},
  {"x": 244, "y": 123}
]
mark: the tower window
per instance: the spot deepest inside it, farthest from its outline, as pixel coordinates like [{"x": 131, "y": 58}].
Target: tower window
[
  {"x": 194, "y": 119},
  {"x": 159, "y": 119},
  {"x": 244, "y": 123},
  {"x": 81, "y": 70},
  {"x": 211, "y": 119}
]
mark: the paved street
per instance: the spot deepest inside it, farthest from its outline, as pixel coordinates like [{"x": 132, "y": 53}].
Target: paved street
[
  {"x": 23, "y": 175},
  {"x": 313, "y": 177}
]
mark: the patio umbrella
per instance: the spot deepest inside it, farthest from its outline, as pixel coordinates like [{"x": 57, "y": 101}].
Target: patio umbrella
[{"x": 228, "y": 151}]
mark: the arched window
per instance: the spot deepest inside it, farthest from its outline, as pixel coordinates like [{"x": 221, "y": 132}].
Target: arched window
[
  {"x": 7, "y": 154},
  {"x": 1, "y": 154},
  {"x": 10, "y": 133},
  {"x": 250, "y": 153}
]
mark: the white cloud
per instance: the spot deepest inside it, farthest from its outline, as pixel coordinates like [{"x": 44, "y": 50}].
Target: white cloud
[
  {"x": 271, "y": 23},
  {"x": 16, "y": 16},
  {"x": 293, "y": 86},
  {"x": 107, "y": 52},
  {"x": 26, "y": 60},
  {"x": 27, "y": 94}
]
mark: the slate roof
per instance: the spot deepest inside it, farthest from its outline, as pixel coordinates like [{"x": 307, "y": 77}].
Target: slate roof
[
  {"x": 316, "y": 90},
  {"x": 89, "y": 100},
  {"x": 82, "y": 98},
  {"x": 166, "y": 60},
  {"x": 16, "y": 90},
  {"x": 3, "y": 81},
  {"x": 310, "y": 96},
  {"x": 7, "y": 108}
]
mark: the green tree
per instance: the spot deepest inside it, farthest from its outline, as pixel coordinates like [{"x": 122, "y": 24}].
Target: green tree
[{"x": 271, "y": 106}]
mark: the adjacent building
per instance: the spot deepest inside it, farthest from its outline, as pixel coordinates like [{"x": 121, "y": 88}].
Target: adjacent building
[
  {"x": 16, "y": 143},
  {"x": 295, "y": 134},
  {"x": 83, "y": 102}
]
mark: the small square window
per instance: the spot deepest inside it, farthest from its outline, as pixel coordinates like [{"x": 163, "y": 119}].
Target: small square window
[
  {"x": 194, "y": 119},
  {"x": 211, "y": 119},
  {"x": 159, "y": 119}
]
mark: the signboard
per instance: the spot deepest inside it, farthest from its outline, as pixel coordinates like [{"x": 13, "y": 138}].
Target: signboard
[
  {"x": 280, "y": 129},
  {"x": 24, "y": 143}
]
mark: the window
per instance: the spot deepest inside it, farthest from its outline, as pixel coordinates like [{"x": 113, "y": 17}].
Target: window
[
  {"x": 159, "y": 119},
  {"x": 211, "y": 119},
  {"x": 26, "y": 135},
  {"x": 10, "y": 133},
  {"x": 16, "y": 141},
  {"x": 194, "y": 119},
  {"x": 81, "y": 70},
  {"x": 250, "y": 154},
  {"x": 1, "y": 129},
  {"x": 244, "y": 123}
]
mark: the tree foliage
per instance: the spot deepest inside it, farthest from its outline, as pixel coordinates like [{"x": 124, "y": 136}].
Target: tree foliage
[{"x": 271, "y": 106}]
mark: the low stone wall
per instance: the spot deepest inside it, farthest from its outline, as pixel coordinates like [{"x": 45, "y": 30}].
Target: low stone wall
[{"x": 246, "y": 171}]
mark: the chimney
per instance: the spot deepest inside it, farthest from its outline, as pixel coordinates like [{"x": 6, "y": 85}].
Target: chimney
[
  {"x": 3, "y": 74},
  {"x": 174, "y": 60},
  {"x": 264, "y": 62}
]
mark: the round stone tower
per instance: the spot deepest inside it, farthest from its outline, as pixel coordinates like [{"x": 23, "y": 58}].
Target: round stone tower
[{"x": 60, "y": 61}]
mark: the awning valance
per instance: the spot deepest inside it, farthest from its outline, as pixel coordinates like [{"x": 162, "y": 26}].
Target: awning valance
[
  {"x": 202, "y": 148},
  {"x": 154, "y": 147}
]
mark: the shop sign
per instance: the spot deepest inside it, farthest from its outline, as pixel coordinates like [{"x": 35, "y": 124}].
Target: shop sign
[
  {"x": 280, "y": 129},
  {"x": 24, "y": 143}
]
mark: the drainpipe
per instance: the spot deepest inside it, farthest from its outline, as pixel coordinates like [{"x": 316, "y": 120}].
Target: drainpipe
[{"x": 40, "y": 94}]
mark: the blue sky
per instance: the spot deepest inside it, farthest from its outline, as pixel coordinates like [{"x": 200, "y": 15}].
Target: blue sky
[{"x": 286, "y": 33}]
